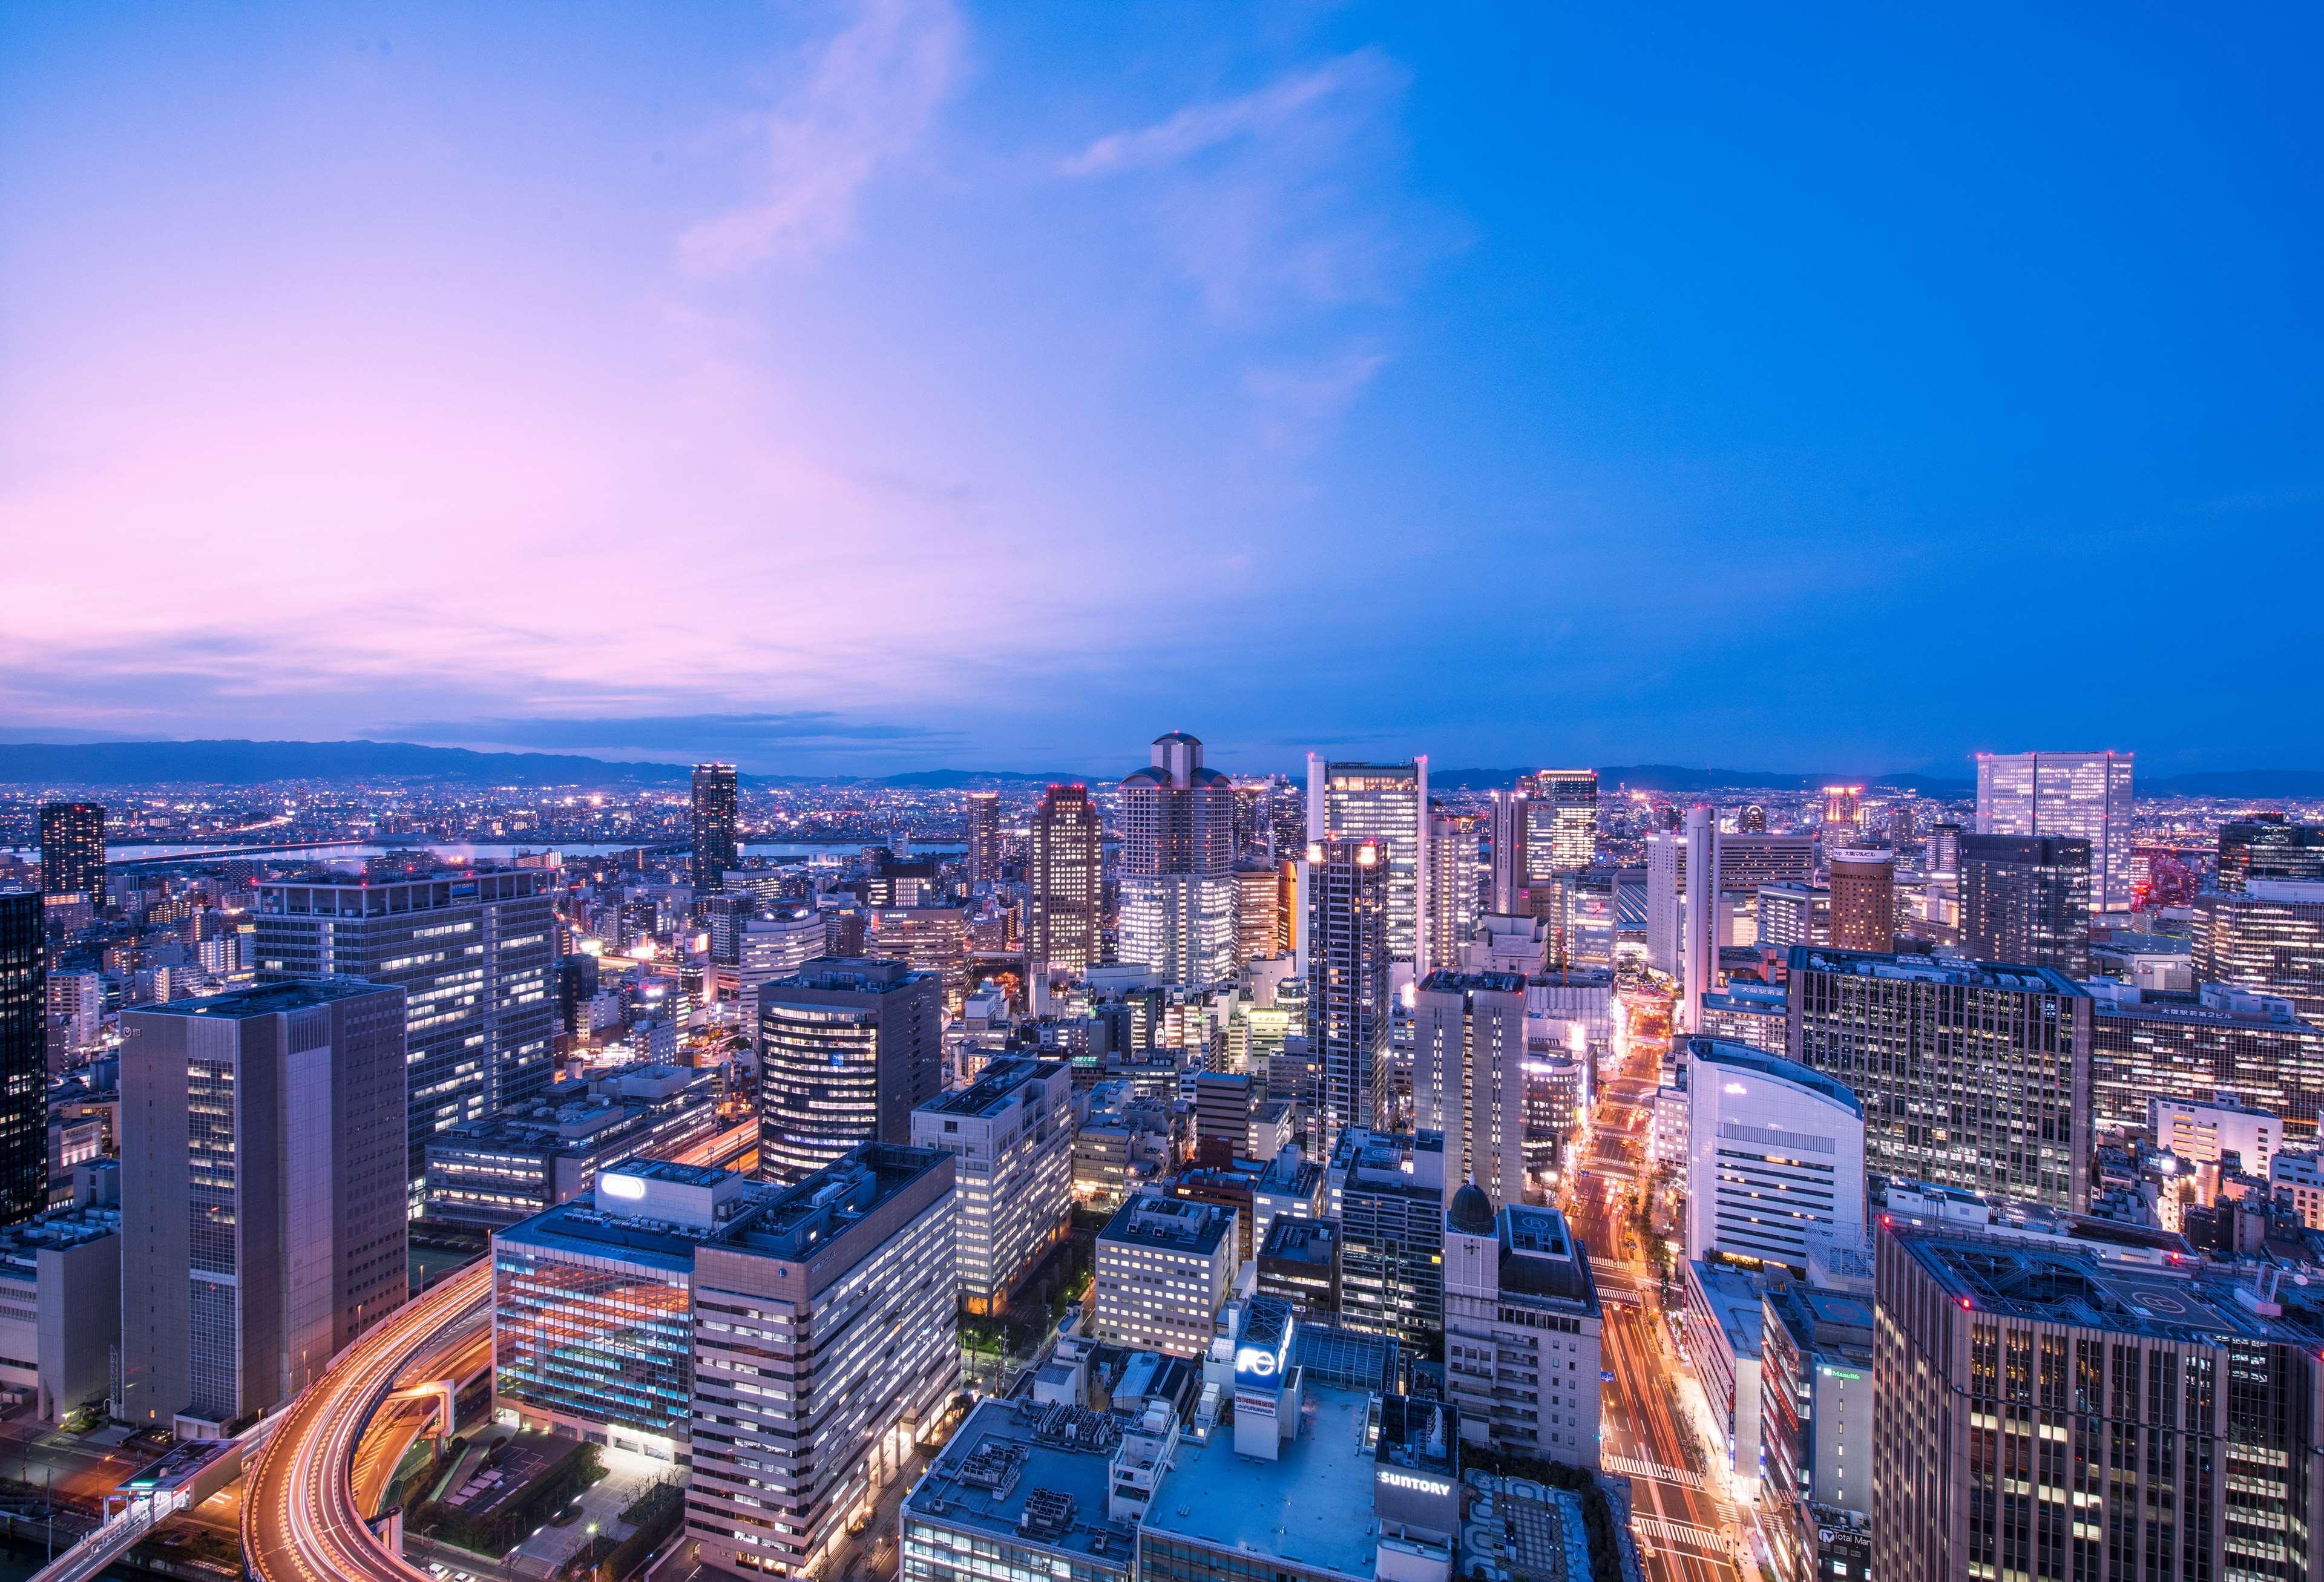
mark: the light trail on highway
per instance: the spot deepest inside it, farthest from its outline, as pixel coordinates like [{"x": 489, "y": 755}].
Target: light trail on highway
[{"x": 301, "y": 1518}]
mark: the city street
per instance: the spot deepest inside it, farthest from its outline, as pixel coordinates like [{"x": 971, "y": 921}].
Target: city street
[{"x": 1687, "y": 1531}]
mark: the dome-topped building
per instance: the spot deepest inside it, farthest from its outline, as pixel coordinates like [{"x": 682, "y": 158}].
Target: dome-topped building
[{"x": 1471, "y": 1212}]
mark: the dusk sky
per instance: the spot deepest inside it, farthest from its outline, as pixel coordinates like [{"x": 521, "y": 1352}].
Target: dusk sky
[{"x": 886, "y": 386}]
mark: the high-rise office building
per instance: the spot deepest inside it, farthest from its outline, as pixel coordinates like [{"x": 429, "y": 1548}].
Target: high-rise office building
[
  {"x": 1259, "y": 900},
  {"x": 1452, "y": 908},
  {"x": 1863, "y": 900},
  {"x": 1165, "y": 1264},
  {"x": 2192, "y": 1046},
  {"x": 1011, "y": 1134},
  {"x": 2270, "y": 848},
  {"x": 1748, "y": 860},
  {"x": 716, "y": 799},
  {"x": 262, "y": 1194},
  {"x": 983, "y": 822},
  {"x": 2026, "y": 899},
  {"x": 2269, "y": 936},
  {"x": 1775, "y": 1157},
  {"x": 1752, "y": 820},
  {"x": 1387, "y": 804},
  {"x": 1389, "y": 1191},
  {"x": 1561, "y": 821},
  {"x": 2041, "y": 1409},
  {"x": 72, "y": 849},
  {"x": 1468, "y": 1075},
  {"x": 847, "y": 1050},
  {"x": 1177, "y": 866},
  {"x": 772, "y": 947},
  {"x": 1843, "y": 807},
  {"x": 1511, "y": 875},
  {"x": 1971, "y": 1075},
  {"x": 474, "y": 954},
  {"x": 1944, "y": 854},
  {"x": 1254, "y": 818},
  {"x": 23, "y": 1057},
  {"x": 1698, "y": 940},
  {"x": 1522, "y": 1330},
  {"x": 2082, "y": 794},
  {"x": 1064, "y": 884},
  {"x": 1347, "y": 1009},
  {"x": 1815, "y": 1408}
]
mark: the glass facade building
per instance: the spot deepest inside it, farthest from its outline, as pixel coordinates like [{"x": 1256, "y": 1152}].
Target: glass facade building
[
  {"x": 2081, "y": 794},
  {"x": 716, "y": 797},
  {"x": 23, "y": 1057},
  {"x": 1387, "y": 804},
  {"x": 1177, "y": 866},
  {"x": 72, "y": 849},
  {"x": 847, "y": 1049},
  {"x": 2026, "y": 899},
  {"x": 602, "y": 1338}
]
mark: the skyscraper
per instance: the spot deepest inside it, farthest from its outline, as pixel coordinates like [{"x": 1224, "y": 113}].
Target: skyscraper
[
  {"x": 1063, "y": 885},
  {"x": 983, "y": 838},
  {"x": 1387, "y": 803},
  {"x": 1863, "y": 900},
  {"x": 1751, "y": 821},
  {"x": 1774, "y": 1157},
  {"x": 1468, "y": 1075},
  {"x": 1971, "y": 1075},
  {"x": 2269, "y": 848},
  {"x": 847, "y": 1050},
  {"x": 1843, "y": 805},
  {"x": 2042, "y": 1409},
  {"x": 1258, "y": 898},
  {"x": 23, "y": 1057},
  {"x": 2269, "y": 937},
  {"x": 2026, "y": 899},
  {"x": 2083, "y": 794},
  {"x": 1452, "y": 899},
  {"x": 714, "y": 802},
  {"x": 1561, "y": 814},
  {"x": 474, "y": 954},
  {"x": 262, "y": 1194},
  {"x": 1698, "y": 949},
  {"x": 1347, "y": 1009},
  {"x": 1177, "y": 866},
  {"x": 72, "y": 849},
  {"x": 1511, "y": 877}
]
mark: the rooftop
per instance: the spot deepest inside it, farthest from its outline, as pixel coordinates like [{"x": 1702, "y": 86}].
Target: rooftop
[
  {"x": 1313, "y": 1508},
  {"x": 1447, "y": 982},
  {"x": 1954, "y": 974},
  {"x": 1301, "y": 1241},
  {"x": 1007, "y": 1455},
  {"x": 1739, "y": 1056},
  {"x": 1178, "y": 1224},
  {"x": 266, "y": 1000},
  {"x": 2185, "y": 1301},
  {"x": 1734, "y": 1299},
  {"x": 1000, "y": 1085},
  {"x": 21, "y": 1245}
]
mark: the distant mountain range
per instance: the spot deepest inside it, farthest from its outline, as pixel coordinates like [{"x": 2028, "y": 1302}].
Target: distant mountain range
[{"x": 250, "y": 763}]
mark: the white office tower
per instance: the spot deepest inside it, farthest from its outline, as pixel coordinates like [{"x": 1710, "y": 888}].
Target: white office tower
[
  {"x": 1450, "y": 906},
  {"x": 1177, "y": 867},
  {"x": 1387, "y": 802},
  {"x": 1164, "y": 1266},
  {"x": 1775, "y": 1157},
  {"x": 1011, "y": 1134},
  {"x": 1522, "y": 1331},
  {"x": 1469, "y": 1074},
  {"x": 1665, "y": 894},
  {"x": 825, "y": 1346},
  {"x": 1698, "y": 951},
  {"x": 773, "y": 947},
  {"x": 2084, "y": 794}
]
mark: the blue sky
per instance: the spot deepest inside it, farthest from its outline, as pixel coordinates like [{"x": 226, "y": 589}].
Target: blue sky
[{"x": 874, "y": 387}]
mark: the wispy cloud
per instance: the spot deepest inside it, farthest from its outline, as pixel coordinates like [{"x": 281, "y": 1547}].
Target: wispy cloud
[
  {"x": 1298, "y": 404},
  {"x": 1285, "y": 196},
  {"x": 873, "y": 92}
]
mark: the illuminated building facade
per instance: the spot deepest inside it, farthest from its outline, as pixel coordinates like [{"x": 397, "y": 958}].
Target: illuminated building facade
[
  {"x": 983, "y": 824},
  {"x": 1971, "y": 1074},
  {"x": 1776, "y": 1157},
  {"x": 72, "y": 849},
  {"x": 1177, "y": 866},
  {"x": 1348, "y": 989},
  {"x": 2269, "y": 937},
  {"x": 1863, "y": 900},
  {"x": 1453, "y": 888},
  {"x": 1561, "y": 816},
  {"x": 475, "y": 954},
  {"x": 1064, "y": 884},
  {"x": 1164, "y": 1266},
  {"x": 2026, "y": 899},
  {"x": 23, "y": 1056},
  {"x": 1011, "y": 1134},
  {"x": 847, "y": 1050},
  {"x": 1523, "y": 1331},
  {"x": 1387, "y": 804},
  {"x": 1468, "y": 1075},
  {"x": 2270, "y": 849},
  {"x": 2087, "y": 795}
]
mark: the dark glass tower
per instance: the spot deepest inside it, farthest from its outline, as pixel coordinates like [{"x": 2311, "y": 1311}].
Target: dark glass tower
[
  {"x": 72, "y": 849},
  {"x": 714, "y": 802},
  {"x": 2252, "y": 849},
  {"x": 1348, "y": 995},
  {"x": 24, "y": 1059},
  {"x": 2025, "y": 900}
]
